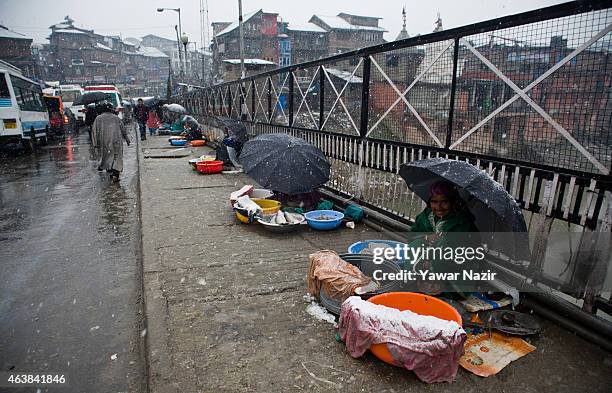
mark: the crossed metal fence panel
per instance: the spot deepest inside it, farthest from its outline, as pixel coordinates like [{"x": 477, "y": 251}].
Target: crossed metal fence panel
[
  {"x": 277, "y": 104},
  {"x": 303, "y": 98},
  {"x": 260, "y": 111},
  {"x": 339, "y": 94},
  {"x": 479, "y": 93}
]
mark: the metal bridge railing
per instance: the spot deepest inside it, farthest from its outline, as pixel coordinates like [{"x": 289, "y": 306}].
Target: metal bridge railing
[{"x": 527, "y": 98}]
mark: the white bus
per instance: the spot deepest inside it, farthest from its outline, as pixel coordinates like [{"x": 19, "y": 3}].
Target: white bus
[{"x": 23, "y": 115}]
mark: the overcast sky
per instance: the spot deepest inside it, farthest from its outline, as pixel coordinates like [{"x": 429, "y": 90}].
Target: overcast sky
[{"x": 135, "y": 18}]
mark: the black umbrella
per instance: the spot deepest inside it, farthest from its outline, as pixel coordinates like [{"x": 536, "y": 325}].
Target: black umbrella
[
  {"x": 153, "y": 102},
  {"x": 284, "y": 163},
  {"x": 493, "y": 208},
  {"x": 236, "y": 128},
  {"x": 90, "y": 98}
]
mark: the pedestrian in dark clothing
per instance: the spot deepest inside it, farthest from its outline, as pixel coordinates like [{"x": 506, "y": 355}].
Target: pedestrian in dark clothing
[
  {"x": 90, "y": 117},
  {"x": 108, "y": 135},
  {"x": 141, "y": 112}
]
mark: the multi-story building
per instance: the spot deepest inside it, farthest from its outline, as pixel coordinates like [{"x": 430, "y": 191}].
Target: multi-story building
[
  {"x": 261, "y": 43},
  {"x": 191, "y": 65},
  {"x": 79, "y": 56},
  {"x": 347, "y": 32},
  {"x": 285, "y": 43},
  {"x": 308, "y": 42},
  {"x": 15, "y": 48},
  {"x": 169, "y": 47}
]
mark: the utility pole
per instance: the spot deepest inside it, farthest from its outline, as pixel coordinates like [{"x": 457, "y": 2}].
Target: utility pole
[
  {"x": 242, "y": 75},
  {"x": 203, "y": 39},
  {"x": 243, "y": 107}
]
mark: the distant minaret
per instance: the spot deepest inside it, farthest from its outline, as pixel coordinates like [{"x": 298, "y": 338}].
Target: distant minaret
[
  {"x": 438, "y": 24},
  {"x": 403, "y": 34}
]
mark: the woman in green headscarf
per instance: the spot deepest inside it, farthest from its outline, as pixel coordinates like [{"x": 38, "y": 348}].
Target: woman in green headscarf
[{"x": 445, "y": 213}]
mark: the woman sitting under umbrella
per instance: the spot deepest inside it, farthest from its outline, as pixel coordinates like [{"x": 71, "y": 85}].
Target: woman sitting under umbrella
[{"x": 445, "y": 213}]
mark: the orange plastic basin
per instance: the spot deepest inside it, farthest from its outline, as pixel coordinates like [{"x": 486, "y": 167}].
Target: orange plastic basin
[
  {"x": 197, "y": 142},
  {"x": 417, "y": 303}
]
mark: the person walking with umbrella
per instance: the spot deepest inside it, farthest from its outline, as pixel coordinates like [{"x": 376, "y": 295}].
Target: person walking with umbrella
[
  {"x": 141, "y": 112},
  {"x": 108, "y": 134}
]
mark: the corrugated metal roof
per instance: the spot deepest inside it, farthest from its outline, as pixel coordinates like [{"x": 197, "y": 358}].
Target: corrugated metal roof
[
  {"x": 151, "y": 52},
  {"x": 102, "y": 46},
  {"x": 61, "y": 26},
  {"x": 336, "y": 22},
  {"x": 6, "y": 33},
  {"x": 235, "y": 24},
  {"x": 250, "y": 61},
  {"x": 69, "y": 31},
  {"x": 305, "y": 27},
  {"x": 344, "y": 75}
]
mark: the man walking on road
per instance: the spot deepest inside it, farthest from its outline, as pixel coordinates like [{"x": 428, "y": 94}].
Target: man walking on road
[
  {"x": 108, "y": 134},
  {"x": 142, "y": 115}
]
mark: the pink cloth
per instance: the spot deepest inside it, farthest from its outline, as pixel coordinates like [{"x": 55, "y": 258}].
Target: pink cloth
[
  {"x": 153, "y": 120},
  {"x": 429, "y": 346}
]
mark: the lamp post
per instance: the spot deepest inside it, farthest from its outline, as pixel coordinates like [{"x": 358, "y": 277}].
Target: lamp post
[
  {"x": 185, "y": 41},
  {"x": 179, "y": 33},
  {"x": 194, "y": 70}
]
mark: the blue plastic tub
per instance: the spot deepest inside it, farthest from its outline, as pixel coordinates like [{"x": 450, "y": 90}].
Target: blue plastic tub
[
  {"x": 362, "y": 248},
  {"x": 178, "y": 142},
  {"x": 324, "y": 220}
]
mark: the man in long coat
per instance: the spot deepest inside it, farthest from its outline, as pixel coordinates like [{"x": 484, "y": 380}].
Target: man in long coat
[{"x": 108, "y": 132}]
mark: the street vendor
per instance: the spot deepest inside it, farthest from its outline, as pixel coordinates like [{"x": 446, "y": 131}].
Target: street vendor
[
  {"x": 305, "y": 201},
  {"x": 229, "y": 150},
  {"x": 445, "y": 213},
  {"x": 192, "y": 128}
]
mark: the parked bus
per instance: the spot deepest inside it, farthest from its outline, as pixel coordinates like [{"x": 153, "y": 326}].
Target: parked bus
[{"x": 23, "y": 115}]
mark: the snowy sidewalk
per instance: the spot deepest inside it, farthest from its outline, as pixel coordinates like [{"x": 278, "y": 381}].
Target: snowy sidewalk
[{"x": 226, "y": 308}]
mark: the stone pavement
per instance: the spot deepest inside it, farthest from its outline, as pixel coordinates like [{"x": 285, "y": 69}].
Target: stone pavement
[{"x": 226, "y": 310}]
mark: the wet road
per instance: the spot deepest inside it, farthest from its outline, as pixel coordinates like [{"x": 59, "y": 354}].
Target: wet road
[{"x": 70, "y": 270}]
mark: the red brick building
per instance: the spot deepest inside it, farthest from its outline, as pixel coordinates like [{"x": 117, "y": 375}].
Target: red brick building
[{"x": 16, "y": 48}]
